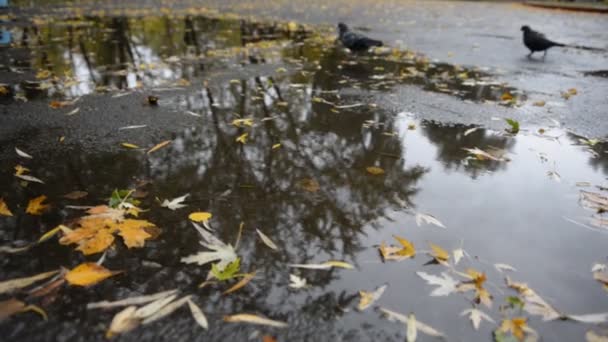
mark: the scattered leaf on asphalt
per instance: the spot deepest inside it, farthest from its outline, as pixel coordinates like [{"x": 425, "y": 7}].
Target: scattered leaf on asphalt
[
  {"x": 445, "y": 283},
  {"x": 36, "y": 206},
  {"x": 4, "y": 210},
  {"x": 242, "y": 138},
  {"x": 254, "y": 319},
  {"x": 29, "y": 178},
  {"x": 13, "y": 306},
  {"x": 88, "y": 273},
  {"x": 124, "y": 321},
  {"x": 166, "y": 310},
  {"x": 129, "y": 145},
  {"x": 159, "y": 146},
  {"x": 198, "y": 314},
  {"x": 368, "y": 298},
  {"x": 131, "y": 300},
  {"x": 267, "y": 241},
  {"x": 9, "y": 286},
  {"x": 324, "y": 266}
]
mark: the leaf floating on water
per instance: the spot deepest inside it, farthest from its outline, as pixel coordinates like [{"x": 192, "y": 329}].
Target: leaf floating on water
[
  {"x": 296, "y": 282},
  {"x": 276, "y": 146},
  {"x": 439, "y": 254},
  {"x": 267, "y": 240},
  {"x": 374, "y": 170},
  {"x": 412, "y": 324},
  {"x": 242, "y": 138},
  {"x": 159, "y": 146},
  {"x": 29, "y": 178},
  {"x": 599, "y": 267},
  {"x": 198, "y": 314},
  {"x": 222, "y": 252},
  {"x": 476, "y": 316},
  {"x": 243, "y": 122},
  {"x": 517, "y": 326},
  {"x": 514, "y": 126},
  {"x": 591, "y": 336},
  {"x": 406, "y": 251},
  {"x": 12, "y": 285},
  {"x": 445, "y": 283},
  {"x": 483, "y": 155},
  {"x": 539, "y": 103},
  {"x": 88, "y": 273},
  {"x": 4, "y": 210},
  {"x": 458, "y": 254},
  {"x": 22, "y": 154},
  {"x": 246, "y": 279},
  {"x": 253, "y": 319},
  {"x": 13, "y": 306},
  {"x": 36, "y": 206},
  {"x": 470, "y": 130},
  {"x": 124, "y": 321},
  {"x": 324, "y": 266},
  {"x": 131, "y": 300},
  {"x": 504, "y": 267},
  {"x": 596, "y": 318},
  {"x": 200, "y": 216},
  {"x": 506, "y": 96},
  {"x": 176, "y": 203},
  {"x": 534, "y": 304},
  {"x": 368, "y": 298},
  {"x": 74, "y": 195},
  {"x": 428, "y": 219},
  {"x": 132, "y": 127},
  {"x": 129, "y": 145}
]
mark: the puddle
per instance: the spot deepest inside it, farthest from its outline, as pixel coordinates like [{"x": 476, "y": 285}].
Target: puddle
[{"x": 311, "y": 194}]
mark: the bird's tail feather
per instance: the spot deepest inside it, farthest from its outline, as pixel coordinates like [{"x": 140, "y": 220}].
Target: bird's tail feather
[{"x": 373, "y": 42}]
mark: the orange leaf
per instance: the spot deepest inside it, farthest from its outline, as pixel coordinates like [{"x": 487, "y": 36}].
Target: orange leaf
[
  {"x": 35, "y": 206},
  {"x": 246, "y": 279},
  {"x": 4, "y": 208},
  {"x": 134, "y": 232},
  {"x": 88, "y": 273},
  {"x": 101, "y": 241}
]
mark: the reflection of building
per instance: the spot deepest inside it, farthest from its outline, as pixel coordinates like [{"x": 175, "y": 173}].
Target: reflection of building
[{"x": 5, "y": 35}]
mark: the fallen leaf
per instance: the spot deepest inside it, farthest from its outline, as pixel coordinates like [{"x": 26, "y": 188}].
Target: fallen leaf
[
  {"x": 246, "y": 279},
  {"x": 470, "y": 130},
  {"x": 198, "y": 314},
  {"x": 476, "y": 284},
  {"x": 514, "y": 126},
  {"x": 129, "y": 145},
  {"x": 243, "y": 122},
  {"x": 310, "y": 185},
  {"x": 539, "y": 103},
  {"x": 176, "y": 203},
  {"x": 249, "y": 318},
  {"x": 374, "y": 170},
  {"x": 74, "y": 195},
  {"x": 200, "y": 216},
  {"x": 73, "y": 112},
  {"x": 439, "y": 254},
  {"x": 506, "y": 96},
  {"x": 517, "y": 326},
  {"x": 324, "y": 266},
  {"x": 29, "y": 178},
  {"x": 267, "y": 240},
  {"x": 428, "y": 219},
  {"x": 534, "y": 304},
  {"x": 412, "y": 324},
  {"x": 504, "y": 267},
  {"x": 12, "y": 285},
  {"x": 36, "y": 206},
  {"x": 153, "y": 307},
  {"x": 458, "y": 254},
  {"x": 135, "y": 232},
  {"x": 368, "y": 298},
  {"x": 13, "y": 306},
  {"x": 132, "y": 300},
  {"x": 220, "y": 251},
  {"x": 132, "y": 127},
  {"x": 4, "y": 210},
  {"x": 268, "y": 338},
  {"x": 483, "y": 155},
  {"x": 242, "y": 138},
  {"x": 22, "y": 154},
  {"x": 166, "y": 310},
  {"x": 20, "y": 170},
  {"x": 598, "y": 267},
  {"x": 596, "y": 318},
  {"x": 124, "y": 321},
  {"x": 276, "y": 146},
  {"x": 476, "y": 316},
  {"x": 296, "y": 282},
  {"x": 591, "y": 336},
  {"x": 159, "y": 146},
  {"x": 446, "y": 283},
  {"x": 406, "y": 250},
  {"x": 88, "y": 273}
]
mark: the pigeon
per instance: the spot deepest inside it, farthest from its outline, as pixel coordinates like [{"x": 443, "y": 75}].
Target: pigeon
[
  {"x": 536, "y": 41},
  {"x": 355, "y": 41}
]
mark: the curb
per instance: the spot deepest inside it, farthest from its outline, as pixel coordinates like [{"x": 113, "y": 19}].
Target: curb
[{"x": 578, "y": 7}]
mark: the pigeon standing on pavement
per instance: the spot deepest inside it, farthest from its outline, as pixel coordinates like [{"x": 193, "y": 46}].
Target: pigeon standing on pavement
[
  {"x": 536, "y": 41},
  {"x": 355, "y": 41}
]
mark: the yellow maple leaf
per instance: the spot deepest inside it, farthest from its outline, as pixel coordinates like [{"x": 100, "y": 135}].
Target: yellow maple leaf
[
  {"x": 243, "y": 122},
  {"x": 242, "y": 138},
  {"x": 4, "y": 208},
  {"x": 374, "y": 170},
  {"x": 88, "y": 273},
  {"x": 200, "y": 216},
  {"x": 516, "y": 326},
  {"x": 134, "y": 232},
  {"x": 440, "y": 254},
  {"x": 36, "y": 207},
  {"x": 408, "y": 249},
  {"x": 101, "y": 240},
  {"x": 20, "y": 170}
]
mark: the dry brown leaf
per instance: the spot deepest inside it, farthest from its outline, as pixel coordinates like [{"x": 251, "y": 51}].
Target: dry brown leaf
[
  {"x": 74, "y": 195},
  {"x": 88, "y": 273},
  {"x": 159, "y": 146},
  {"x": 246, "y": 279},
  {"x": 19, "y": 283},
  {"x": 309, "y": 185},
  {"x": 4, "y": 210},
  {"x": 36, "y": 206}
]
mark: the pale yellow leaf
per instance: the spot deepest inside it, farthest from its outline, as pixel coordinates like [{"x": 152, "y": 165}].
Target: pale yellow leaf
[
  {"x": 374, "y": 170},
  {"x": 246, "y": 279},
  {"x": 242, "y": 138},
  {"x": 129, "y": 145},
  {"x": 267, "y": 241},
  {"x": 159, "y": 146},
  {"x": 19, "y": 283},
  {"x": 254, "y": 319}
]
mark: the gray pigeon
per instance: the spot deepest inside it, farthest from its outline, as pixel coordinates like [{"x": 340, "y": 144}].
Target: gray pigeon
[
  {"x": 536, "y": 41},
  {"x": 355, "y": 41}
]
